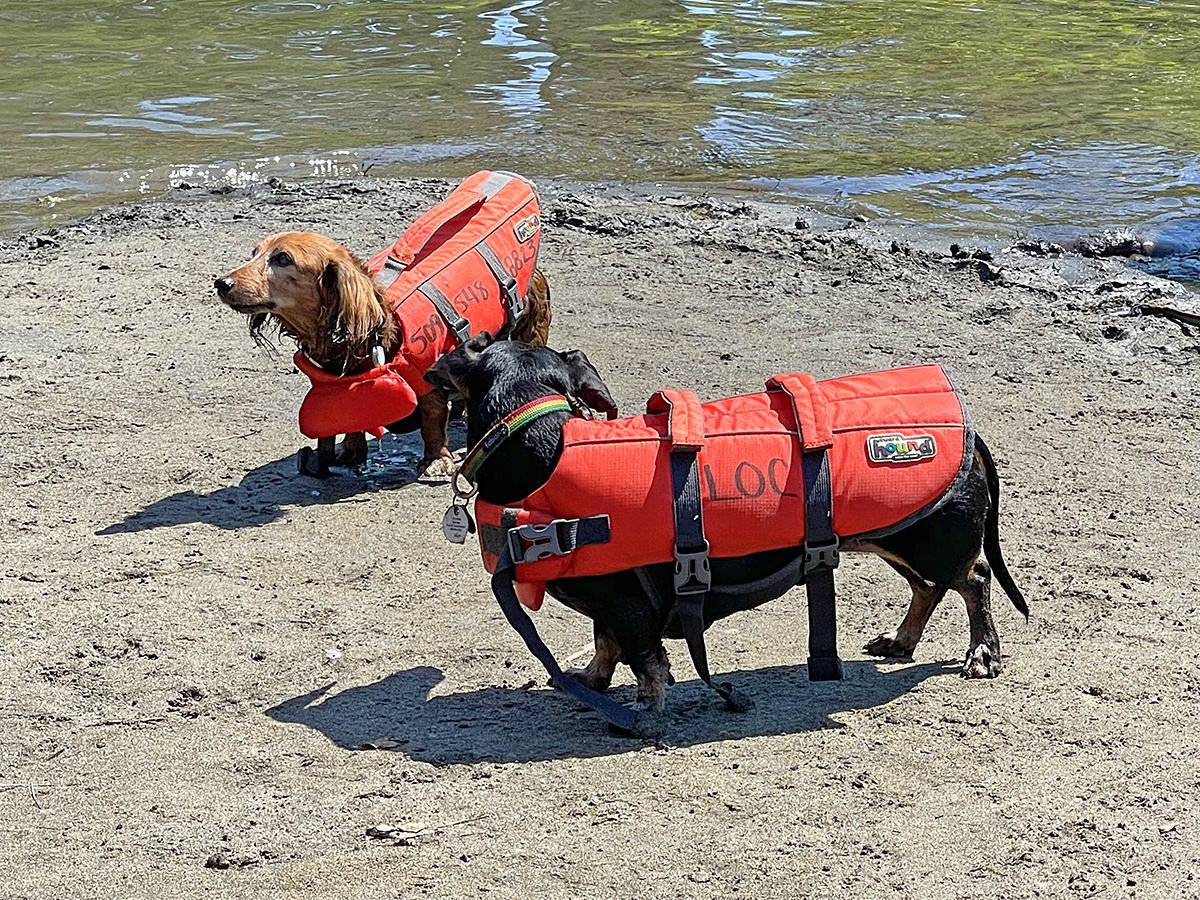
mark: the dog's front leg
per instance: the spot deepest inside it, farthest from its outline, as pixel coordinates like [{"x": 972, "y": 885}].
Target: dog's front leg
[
  {"x": 653, "y": 672},
  {"x": 435, "y": 415},
  {"x": 352, "y": 451},
  {"x": 598, "y": 674}
]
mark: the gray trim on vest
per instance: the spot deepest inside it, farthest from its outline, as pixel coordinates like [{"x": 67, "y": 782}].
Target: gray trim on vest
[
  {"x": 392, "y": 269},
  {"x": 459, "y": 325},
  {"x": 493, "y": 184},
  {"x": 514, "y": 303}
]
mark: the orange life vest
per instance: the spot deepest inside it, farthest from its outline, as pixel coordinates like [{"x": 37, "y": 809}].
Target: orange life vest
[
  {"x": 463, "y": 267},
  {"x": 897, "y": 441}
]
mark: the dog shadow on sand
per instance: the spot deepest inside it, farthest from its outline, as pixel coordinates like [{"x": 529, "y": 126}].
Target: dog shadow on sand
[
  {"x": 504, "y": 725},
  {"x": 265, "y": 494}
]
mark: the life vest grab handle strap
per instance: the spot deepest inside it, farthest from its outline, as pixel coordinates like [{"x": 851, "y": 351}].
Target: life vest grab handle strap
[
  {"x": 808, "y": 406},
  {"x": 685, "y": 418}
]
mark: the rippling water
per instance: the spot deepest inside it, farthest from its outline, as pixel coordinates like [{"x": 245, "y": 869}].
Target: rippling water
[{"x": 989, "y": 118}]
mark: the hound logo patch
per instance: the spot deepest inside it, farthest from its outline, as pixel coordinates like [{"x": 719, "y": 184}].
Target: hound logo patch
[
  {"x": 527, "y": 227},
  {"x": 896, "y": 448}
]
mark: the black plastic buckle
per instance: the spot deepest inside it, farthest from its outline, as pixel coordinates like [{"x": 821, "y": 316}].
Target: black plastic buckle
[
  {"x": 462, "y": 330},
  {"x": 692, "y": 572},
  {"x": 512, "y": 297},
  {"x": 530, "y": 543},
  {"x": 821, "y": 556}
]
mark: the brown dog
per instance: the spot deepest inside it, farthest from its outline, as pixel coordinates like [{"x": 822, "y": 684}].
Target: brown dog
[{"x": 317, "y": 292}]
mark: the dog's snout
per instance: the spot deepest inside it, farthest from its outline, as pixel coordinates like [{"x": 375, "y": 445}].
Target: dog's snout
[{"x": 224, "y": 285}]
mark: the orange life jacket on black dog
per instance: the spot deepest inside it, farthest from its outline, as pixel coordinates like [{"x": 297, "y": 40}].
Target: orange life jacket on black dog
[
  {"x": 897, "y": 441},
  {"x": 463, "y": 267}
]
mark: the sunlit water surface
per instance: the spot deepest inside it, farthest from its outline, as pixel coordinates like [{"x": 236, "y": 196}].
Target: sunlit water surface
[{"x": 993, "y": 119}]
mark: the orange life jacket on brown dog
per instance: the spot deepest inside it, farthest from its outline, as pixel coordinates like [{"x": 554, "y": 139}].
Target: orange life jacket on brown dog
[
  {"x": 897, "y": 441},
  {"x": 463, "y": 267}
]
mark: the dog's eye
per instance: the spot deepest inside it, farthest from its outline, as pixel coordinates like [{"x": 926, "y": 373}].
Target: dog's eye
[{"x": 281, "y": 259}]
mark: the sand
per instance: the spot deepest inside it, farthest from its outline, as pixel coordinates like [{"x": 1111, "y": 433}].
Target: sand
[{"x": 200, "y": 648}]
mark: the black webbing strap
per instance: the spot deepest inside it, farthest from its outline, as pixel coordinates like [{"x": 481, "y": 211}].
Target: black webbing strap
[
  {"x": 392, "y": 269},
  {"x": 460, "y": 326},
  {"x": 514, "y": 303},
  {"x": 693, "y": 577},
  {"x": 618, "y": 716},
  {"x": 527, "y": 543},
  {"x": 820, "y": 559}
]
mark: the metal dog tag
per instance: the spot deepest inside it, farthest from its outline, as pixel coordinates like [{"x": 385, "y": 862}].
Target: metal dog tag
[{"x": 457, "y": 524}]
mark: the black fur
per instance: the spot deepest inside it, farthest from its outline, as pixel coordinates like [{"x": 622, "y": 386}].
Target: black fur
[{"x": 949, "y": 549}]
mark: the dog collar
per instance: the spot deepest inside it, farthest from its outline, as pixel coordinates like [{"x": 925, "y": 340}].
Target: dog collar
[{"x": 501, "y": 431}]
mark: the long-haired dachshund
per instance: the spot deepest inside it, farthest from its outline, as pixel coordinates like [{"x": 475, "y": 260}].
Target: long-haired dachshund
[{"x": 314, "y": 290}]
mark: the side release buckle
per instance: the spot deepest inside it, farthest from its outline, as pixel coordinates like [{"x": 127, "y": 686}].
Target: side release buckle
[
  {"x": 692, "y": 572},
  {"x": 530, "y": 543},
  {"x": 821, "y": 556}
]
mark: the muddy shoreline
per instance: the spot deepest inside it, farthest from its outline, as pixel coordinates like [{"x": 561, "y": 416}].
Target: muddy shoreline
[{"x": 201, "y": 649}]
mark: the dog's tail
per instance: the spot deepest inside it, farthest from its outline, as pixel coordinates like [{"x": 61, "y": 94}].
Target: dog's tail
[{"x": 991, "y": 531}]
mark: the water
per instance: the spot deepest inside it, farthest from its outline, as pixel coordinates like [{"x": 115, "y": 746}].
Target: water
[{"x": 998, "y": 118}]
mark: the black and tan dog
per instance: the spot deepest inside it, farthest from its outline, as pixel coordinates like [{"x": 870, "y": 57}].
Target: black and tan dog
[{"x": 955, "y": 547}]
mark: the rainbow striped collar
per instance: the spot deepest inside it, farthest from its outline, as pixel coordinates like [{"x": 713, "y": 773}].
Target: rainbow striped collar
[{"x": 502, "y": 430}]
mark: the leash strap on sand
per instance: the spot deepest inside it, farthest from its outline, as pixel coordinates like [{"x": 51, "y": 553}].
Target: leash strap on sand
[
  {"x": 621, "y": 717},
  {"x": 1177, "y": 316}
]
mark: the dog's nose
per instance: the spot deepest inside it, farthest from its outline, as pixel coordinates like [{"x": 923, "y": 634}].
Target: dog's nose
[{"x": 224, "y": 285}]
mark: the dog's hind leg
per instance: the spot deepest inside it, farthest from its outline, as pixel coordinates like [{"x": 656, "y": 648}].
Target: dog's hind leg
[
  {"x": 925, "y": 598},
  {"x": 983, "y": 656},
  {"x": 598, "y": 674}
]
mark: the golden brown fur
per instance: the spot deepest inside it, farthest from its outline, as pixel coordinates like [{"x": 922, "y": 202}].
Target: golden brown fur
[{"x": 319, "y": 293}]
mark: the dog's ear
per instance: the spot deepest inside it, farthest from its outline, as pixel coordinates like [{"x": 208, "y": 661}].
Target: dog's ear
[
  {"x": 586, "y": 383},
  {"x": 449, "y": 373},
  {"x": 354, "y": 313}
]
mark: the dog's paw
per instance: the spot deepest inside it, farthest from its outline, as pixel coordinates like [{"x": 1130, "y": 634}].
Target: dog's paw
[
  {"x": 437, "y": 467},
  {"x": 982, "y": 662},
  {"x": 352, "y": 451},
  {"x": 590, "y": 680},
  {"x": 349, "y": 458},
  {"x": 887, "y": 645},
  {"x": 650, "y": 723}
]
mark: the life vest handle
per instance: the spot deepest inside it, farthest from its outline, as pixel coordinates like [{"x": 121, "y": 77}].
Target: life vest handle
[{"x": 410, "y": 244}]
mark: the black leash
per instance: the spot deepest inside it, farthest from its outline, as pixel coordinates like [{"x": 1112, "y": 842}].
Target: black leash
[{"x": 621, "y": 717}]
